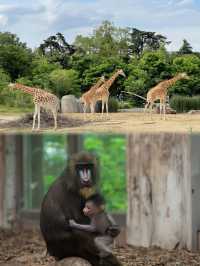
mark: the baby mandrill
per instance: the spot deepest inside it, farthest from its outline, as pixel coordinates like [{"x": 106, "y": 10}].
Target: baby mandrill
[{"x": 100, "y": 223}]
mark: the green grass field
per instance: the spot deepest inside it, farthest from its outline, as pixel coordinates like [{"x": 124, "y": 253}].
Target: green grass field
[{"x": 13, "y": 110}]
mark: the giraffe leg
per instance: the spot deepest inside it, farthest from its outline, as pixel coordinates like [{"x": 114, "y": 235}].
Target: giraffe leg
[
  {"x": 102, "y": 108},
  {"x": 92, "y": 109},
  {"x": 146, "y": 107},
  {"x": 55, "y": 119},
  {"x": 34, "y": 116},
  {"x": 107, "y": 108},
  {"x": 84, "y": 110},
  {"x": 161, "y": 107},
  {"x": 164, "y": 110},
  {"x": 38, "y": 118},
  {"x": 151, "y": 107}
]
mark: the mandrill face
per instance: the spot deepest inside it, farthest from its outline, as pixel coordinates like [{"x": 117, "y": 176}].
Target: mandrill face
[{"x": 85, "y": 174}]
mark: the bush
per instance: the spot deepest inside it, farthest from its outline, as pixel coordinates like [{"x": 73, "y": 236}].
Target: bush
[
  {"x": 15, "y": 98},
  {"x": 113, "y": 106},
  {"x": 125, "y": 105},
  {"x": 185, "y": 103}
]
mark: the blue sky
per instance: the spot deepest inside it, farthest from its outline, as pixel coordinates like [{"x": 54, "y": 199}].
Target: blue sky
[{"x": 34, "y": 21}]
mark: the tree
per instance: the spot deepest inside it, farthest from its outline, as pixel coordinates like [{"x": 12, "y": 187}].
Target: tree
[
  {"x": 191, "y": 65},
  {"x": 57, "y": 49},
  {"x": 145, "y": 40},
  {"x": 186, "y": 48},
  {"x": 15, "y": 57},
  {"x": 64, "y": 82},
  {"x": 106, "y": 41},
  {"x": 41, "y": 70},
  {"x": 146, "y": 72}
]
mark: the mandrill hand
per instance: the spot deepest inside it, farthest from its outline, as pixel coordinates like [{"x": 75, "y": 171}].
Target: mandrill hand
[
  {"x": 72, "y": 222},
  {"x": 113, "y": 230}
]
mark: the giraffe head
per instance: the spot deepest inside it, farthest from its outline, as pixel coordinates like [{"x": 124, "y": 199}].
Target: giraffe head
[
  {"x": 183, "y": 76},
  {"x": 121, "y": 72}
]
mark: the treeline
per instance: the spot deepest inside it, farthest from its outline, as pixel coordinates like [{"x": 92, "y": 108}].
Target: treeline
[{"x": 64, "y": 68}]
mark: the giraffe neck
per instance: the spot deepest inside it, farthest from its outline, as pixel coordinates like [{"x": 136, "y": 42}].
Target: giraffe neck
[
  {"x": 97, "y": 85},
  {"x": 25, "y": 89},
  {"x": 171, "y": 81},
  {"x": 109, "y": 82}
]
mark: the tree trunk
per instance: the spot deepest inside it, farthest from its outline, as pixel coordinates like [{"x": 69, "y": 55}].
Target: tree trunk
[{"x": 159, "y": 190}]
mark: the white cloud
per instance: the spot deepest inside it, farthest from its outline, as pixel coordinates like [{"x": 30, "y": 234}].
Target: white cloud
[
  {"x": 3, "y": 21},
  {"x": 38, "y": 19}
]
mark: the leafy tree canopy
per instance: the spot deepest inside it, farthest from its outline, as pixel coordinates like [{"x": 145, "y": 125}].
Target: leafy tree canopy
[
  {"x": 15, "y": 57},
  {"x": 186, "y": 48}
]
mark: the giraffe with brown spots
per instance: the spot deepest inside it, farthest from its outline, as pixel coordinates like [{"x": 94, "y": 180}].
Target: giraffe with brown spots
[
  {"x": 41, "y": 99},
  {"x": 102, "y": 93},
  {"x": 159, "y": 92},
  {"x": 88, "y": 97}
]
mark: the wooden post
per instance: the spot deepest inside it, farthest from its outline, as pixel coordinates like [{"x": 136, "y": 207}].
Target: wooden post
[
  {"x": 74, "y": 143},
  {"x": 159, "y": 190},
  {"x": 19, "y": 172},
  {"x": 2, "y": 178},
  {"x": 10, "y": 208},
  {"x": 37, "y": 185}
]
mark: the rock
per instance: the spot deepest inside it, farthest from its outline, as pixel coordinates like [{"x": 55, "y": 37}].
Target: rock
[
  {"x": 73, "y": 261},
  {"x": 169, "y": 110},
  {"x": 194, "y": 112},
  {"x": 70, "y": 104}
]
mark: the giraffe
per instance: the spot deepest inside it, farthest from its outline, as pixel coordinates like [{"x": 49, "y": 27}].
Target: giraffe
[
  {"x": 102, "y": 93},
  {"x": 87, "y": 97},
  {"x": 41, "y": 98},
  {"x": 159, "y": 92}
]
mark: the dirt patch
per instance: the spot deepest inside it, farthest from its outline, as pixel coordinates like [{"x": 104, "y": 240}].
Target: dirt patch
[
  {"x": 46, "y": 121},
  {"x": 127, "y": 122},
  {"x": 26, "y": 247}
]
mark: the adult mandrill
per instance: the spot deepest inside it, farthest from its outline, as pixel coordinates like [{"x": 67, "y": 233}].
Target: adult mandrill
[{"x": 64, "y": 201}]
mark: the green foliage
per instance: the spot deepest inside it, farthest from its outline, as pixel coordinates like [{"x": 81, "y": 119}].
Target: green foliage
[
  {"x": 15, "y": 57},
  {"x": 64, "y": 82},
  {"x": 106, "y": 41},
  {"x": 185, "y": 103},
  {"x": 112, "y": 167},
  {"x": 113, "y": 106},
  {"x": 191, "y": 65},
  {"x": 73, "y": 69},
  {"x": 113, "y": 175},
  {"x": 145, "y": 40},
  {"x": 146, "y": 72},
  {"x": 186, "y": 48},
  {"x": 15, "y": 98},
  {"x": 56, "y": 49},
  {"x": 41, "y": 71}
]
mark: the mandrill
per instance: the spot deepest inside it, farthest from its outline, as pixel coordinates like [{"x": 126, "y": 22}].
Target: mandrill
[{"x": 64, "y": 201}]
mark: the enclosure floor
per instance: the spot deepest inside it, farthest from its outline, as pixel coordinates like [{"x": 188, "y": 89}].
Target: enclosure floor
[
  {"x": 115, "y": 123},
  {"x": 26, "y": 247}
]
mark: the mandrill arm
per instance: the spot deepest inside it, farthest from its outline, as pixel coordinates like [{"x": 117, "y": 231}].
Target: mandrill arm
[{"x": 85, "y": 227}]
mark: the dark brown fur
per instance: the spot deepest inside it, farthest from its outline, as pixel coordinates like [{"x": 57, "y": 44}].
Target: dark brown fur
[{"x": 63, "y": 202}]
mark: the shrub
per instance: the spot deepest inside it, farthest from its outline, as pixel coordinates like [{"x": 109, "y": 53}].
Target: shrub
[
  {"x": 185, "y": 103},
  {"x": 113, "y": 106},
  {"x": 15, "y": 98}
]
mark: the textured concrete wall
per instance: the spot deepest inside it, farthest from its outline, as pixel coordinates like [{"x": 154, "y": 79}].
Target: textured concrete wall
[
  {"x": 159, "y": 190},
  {"x": 195, "y": 169}
]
